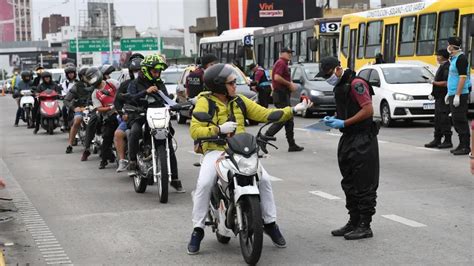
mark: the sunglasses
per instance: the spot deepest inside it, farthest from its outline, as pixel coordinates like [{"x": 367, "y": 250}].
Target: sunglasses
[{"x": 232, "y": 82}]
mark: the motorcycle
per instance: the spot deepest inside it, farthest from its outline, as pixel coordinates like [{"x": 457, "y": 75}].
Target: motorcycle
[
  {"x": 49, "y": 110},
  {"x": 88, "y": 113},
  {"x": 153, "y": 158},
  {"x": 27, "y": 102},
  {"x": 234, "y": 208}
]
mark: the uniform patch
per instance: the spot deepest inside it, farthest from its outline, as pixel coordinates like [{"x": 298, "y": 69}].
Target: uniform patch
[{"x": 359, "y": 88}]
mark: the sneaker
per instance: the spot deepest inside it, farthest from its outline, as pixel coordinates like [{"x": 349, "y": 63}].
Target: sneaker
[
  {"x": 195, "y": 242},
  {"x": 295, "y": 148},
  {"x": 63, "y": 128},
  {"x": 69, "y": 149},
  {"x": 176, "y": 184},
  {"x": 274, "y": 233},
  {"x": 85, "y": 155},
  {"x": 35, "y": 131},
  {"x": 122, "y": 167},
  {"x": 103, "y": 164}
]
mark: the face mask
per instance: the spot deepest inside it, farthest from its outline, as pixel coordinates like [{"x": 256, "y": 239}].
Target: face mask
[
  {"x": 447, "y": 49},
  {"x": 135, "y": 74},
  {"x": 333, "y": 80}
]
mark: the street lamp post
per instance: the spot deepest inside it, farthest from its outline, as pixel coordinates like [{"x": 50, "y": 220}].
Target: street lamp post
[
  {"x": 78, "y": 56},
  {"x": 158, "y": 33},
  {"x": 110, "y": 33}
]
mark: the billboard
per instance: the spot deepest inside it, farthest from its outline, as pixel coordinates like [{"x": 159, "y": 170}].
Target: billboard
[
  {"x": 7, "y": 23},
  {"x": 234, "y": 14}
]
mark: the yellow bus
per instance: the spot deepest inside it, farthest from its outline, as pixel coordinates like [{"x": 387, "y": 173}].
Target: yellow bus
[{"x": 409, "y": 33}]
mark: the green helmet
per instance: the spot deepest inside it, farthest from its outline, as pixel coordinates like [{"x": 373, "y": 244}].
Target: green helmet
[{"x": 154, "y": 61}]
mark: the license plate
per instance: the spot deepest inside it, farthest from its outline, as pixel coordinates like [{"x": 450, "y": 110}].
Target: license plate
[{"x": 428, "y": 106}]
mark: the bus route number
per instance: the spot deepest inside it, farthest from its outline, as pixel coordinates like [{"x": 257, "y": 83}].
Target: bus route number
[{"x": 329, "y": 27}]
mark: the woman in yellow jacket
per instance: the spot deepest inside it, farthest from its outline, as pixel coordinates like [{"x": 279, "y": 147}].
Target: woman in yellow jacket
[{"x": 221, "y": 81}]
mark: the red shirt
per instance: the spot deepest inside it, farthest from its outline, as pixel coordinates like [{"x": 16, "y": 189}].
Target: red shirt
[
  {"x": 281, "y": 68},
  {"x": 360, "y": 92},
  {"x": 259, "y": 75}
]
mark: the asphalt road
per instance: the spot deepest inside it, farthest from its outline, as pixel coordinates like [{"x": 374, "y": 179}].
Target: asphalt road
[{"x": 71, "y": 212}]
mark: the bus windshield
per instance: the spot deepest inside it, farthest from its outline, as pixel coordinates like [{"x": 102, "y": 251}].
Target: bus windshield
[
  {"x": 328, "y": 46},
  {"x": 404, "y": 75}
]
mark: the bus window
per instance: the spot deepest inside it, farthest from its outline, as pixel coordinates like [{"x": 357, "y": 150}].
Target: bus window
[
  {"x": 308, "y": 51},
  {"x": 373, "y": 40},
  {"x": 276, "y": 50},
  {"x": 272, "y": 53},
  {"x": 266, "y": 41},
  {"x": 467, "y": 24},
  {"x": 224, "y": 58},
  {"x": 287, "y": 40},
  {"x": 260, "y": 59},
  {"x": 327, "y": 46},
  {"x": 345, "y": 40},
  {"x": 447, "y": 27},
  {"x": 406, "y": 37},
  {"x": 360, "y": 42},
  {"x": 426, "y": 34},
  {"x": 294, "y": 41},
  {"x": 303, "y": 44},
  {"x": 231, "y": 51}
]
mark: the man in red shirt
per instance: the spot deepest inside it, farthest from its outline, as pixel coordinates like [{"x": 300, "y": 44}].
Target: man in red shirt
[
  {"x": 358, "y": 151},
  {"x": 282, "y": 89}
]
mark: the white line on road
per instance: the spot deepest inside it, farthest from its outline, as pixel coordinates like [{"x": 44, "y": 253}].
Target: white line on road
[
  {"x": 59, "y": 262},
  {"x": 334, "y": 134},
  {"x": 46, "y": 250},
  {"x": 48, "y": 246},
  {"x": 427, "y": 149},
  {"x": 324, "y": 195},
  {"x": 274, "y": 178},
  {"x": 383, "y": 141},
  {"x": 402, "y": 220}
]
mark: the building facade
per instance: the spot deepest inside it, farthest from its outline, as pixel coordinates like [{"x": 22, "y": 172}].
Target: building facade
[
  {"x": 15, "y": 20},
  {"x": 53, "y": 24}
]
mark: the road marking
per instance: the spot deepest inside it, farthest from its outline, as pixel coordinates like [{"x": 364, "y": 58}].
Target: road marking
[
  {"x": 33, "y": 221},
  {"x": 334, "y": 134},
  {"x": 383, "y": 141},
  {"x": 60, "y": 262},
  {"x": 274, "y": 178},
  {"x": 402, "y": 220},
  {"x": 324, "y": 195},
  {"x": 427, "y": 149},
  {"x": 46, "y": 250}
]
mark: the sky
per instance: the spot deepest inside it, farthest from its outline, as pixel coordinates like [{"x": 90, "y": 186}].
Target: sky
[{"x": 139, "y": 13}]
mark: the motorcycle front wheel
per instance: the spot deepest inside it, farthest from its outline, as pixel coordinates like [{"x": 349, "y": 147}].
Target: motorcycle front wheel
[
  {"x": 139, "y": 181},
  {"x": 50, "y": 126},
  {"x": 163, "y": 178},
  {"x": 28, "y": 118},
  {"x": 251, "y": 237}
]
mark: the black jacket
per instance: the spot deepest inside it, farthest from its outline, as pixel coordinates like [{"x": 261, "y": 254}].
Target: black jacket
[
  {"x": 119, "y": 99},
  {"x": 49, "y": 86},
  {"x": 441, "y": 75},
  {"x": 137, "y": 88},
  {"x": 78, "y": 96}
]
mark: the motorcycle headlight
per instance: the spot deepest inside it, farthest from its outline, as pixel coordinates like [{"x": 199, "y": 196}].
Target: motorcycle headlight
[
  {"x": 159, "y": 123},
  {"x": 247, "y": 166},
  {"x": 402, "y": 97},
  {"x": 316, "y": 93},
  {"x": 49, "y": 104}
]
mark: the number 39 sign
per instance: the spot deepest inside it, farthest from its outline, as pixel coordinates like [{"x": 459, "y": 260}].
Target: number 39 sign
[{"x": 329, "y": 27}]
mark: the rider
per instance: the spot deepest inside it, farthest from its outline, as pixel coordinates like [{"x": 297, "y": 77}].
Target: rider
[
  {"x": 220, "y": 79},
  {"x": 150, "y": 83},
  {"x": 103, "y": 100},
  {"x": 24, "y": 84},
  {"x": 120, "y": 133},
  {"x": 66, "y": 85},
  {"x": 38, "y": 70},
  {"x": 107, "y": 70},
  {"x": 194, "y": 81},
  {"x": 76, "y": 99},
  {"x": 46, "y": 84}
]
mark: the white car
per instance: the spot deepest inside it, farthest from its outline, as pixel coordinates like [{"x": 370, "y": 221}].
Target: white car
[
  {"x": 171, "y": 77},
  {"x": 401, "y": 91}
]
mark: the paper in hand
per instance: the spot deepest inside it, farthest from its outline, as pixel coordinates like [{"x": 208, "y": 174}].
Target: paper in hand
[{"x": 318, "y": 126}]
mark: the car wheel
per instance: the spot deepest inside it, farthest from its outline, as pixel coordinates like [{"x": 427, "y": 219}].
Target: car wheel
[
  {"x": 180, "y": 118},
  {"x": 387, "y": 120}
]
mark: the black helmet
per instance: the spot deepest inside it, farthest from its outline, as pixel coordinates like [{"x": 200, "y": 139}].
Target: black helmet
[
  {"x": 208, "y": 58},
  {"x": 82, "y": 72},
  {"x": 93, "y": 76},
  {"x": 46, "y": 74},
  {"x": 26, "y": 74},
  {"x": 215, "y": 77},
  {"x": 107, "y": 69},
  {"x": 136, "y": 55},
  {"x": 135, "y": 64},
  {"x": 69, "y": 68}
]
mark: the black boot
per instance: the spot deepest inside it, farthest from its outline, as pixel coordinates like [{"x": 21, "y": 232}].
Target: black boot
[
  {"x": 434, "y": 143},
  {"x": 349, "y": 227},
  {"x": 362, "y": 231},
  {"x": 447, "y": 143}
]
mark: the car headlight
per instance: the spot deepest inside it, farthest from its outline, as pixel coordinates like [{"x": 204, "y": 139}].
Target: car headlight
[
  {"x": 316, "y": 93},
  {"x": 402, "y": 97},
  {"x": 247, "y": 166}
]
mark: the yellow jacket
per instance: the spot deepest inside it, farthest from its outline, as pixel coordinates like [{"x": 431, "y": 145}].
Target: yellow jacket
[{"x": 254, "y": 112}]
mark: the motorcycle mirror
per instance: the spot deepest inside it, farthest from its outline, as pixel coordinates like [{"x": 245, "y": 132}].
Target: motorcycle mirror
[
  {"x": 275, "y": 116},
  {"x": 202, "y": 117}
]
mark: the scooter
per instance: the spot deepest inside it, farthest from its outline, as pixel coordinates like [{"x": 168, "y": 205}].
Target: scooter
[
  {"x": 27, "y": 102},
  {"x": 234, "y": 208},
  {"x": 49, "y": 110}
]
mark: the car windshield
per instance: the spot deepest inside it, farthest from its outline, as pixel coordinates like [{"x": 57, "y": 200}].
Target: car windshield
[
  {"x": 312, "y": 71},
  {"x": 241, "y": 80},
  {"x": 404, "y": 75},
  {"x": 171, "y": 77}
]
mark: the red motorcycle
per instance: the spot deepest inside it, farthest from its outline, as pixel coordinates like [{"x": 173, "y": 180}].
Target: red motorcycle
[{"x": 49, "y": 110}]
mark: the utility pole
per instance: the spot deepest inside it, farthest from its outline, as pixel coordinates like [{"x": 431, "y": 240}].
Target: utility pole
[
  {"x": 78, "y": 57},
  {"x": 158, "y": 32},
  {"x": 110, "y": 33}
]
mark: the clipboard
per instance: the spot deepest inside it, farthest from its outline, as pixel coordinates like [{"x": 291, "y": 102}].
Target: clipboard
[{"x": 318, "y": 126}]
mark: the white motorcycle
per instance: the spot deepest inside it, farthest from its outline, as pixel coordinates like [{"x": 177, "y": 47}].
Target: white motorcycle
[
  {"x": 27, "y": 102},
  {"x": 235, "y": 198}
]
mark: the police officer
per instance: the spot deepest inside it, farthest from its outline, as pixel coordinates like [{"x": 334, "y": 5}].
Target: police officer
[
  {"x": 194, "y": 81},
  {"x": 358, "y": 152},
  {"x": 262, "y": 84},
  {"x": 459, "y": 85},
  {"x": 442, "y": 121}
]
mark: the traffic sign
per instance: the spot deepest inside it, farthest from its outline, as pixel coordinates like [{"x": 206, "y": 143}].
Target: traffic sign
[
  {"x": 140, "y": 44},
  {"x": 91, "y": 45},
  {"x": 329, "y": 27},
  {"x": 248, "y": 40}
]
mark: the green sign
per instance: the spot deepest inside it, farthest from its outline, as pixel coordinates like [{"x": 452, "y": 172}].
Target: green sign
[
  {"x": 92, "y": 45},
  {"x": 140, "y": 44}
]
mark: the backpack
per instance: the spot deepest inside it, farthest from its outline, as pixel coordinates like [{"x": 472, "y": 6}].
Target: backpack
[{"x": 240, "y": 103}]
